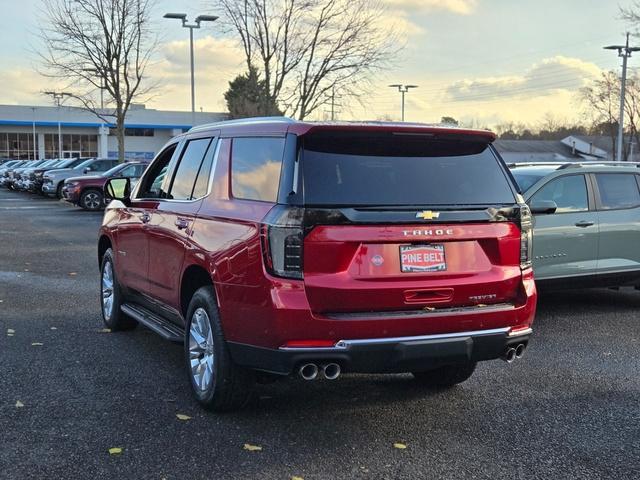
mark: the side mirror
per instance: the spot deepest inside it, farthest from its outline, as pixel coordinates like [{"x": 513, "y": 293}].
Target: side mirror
[
  {"x": 118, "y": 188},
  {"x": 543, "y": 207},
  {"x": 86, "y": 170}
]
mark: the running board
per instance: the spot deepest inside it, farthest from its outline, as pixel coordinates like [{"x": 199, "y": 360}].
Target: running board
[{"x": 162, "y": 327}]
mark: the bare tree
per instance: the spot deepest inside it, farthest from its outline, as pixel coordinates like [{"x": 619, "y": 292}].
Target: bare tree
[
  {"x": 100, "y": 44},
  {"x": 305, "y": 49},
  {"x": 601, "y": 100}
]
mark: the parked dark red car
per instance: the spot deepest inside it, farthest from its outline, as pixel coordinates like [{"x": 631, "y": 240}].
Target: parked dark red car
[
  {"x": 271, "y": 246},
  {"x": 88, "y": 191}
]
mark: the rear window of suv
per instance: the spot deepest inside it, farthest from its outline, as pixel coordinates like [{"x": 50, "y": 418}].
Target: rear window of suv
[{"x": 390, "y": 170}]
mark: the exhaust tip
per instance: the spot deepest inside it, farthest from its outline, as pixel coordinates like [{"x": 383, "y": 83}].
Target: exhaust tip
[
  {"x": 520, "y": 350},
  {"x": 331, "y": 371},
  {"x": 510, "y": 355},
  {"x": 308, "y": 371}
]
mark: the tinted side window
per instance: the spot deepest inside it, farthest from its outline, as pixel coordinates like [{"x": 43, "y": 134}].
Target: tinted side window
[
  {"x": 187, "y": 171},
  {"x": 618, "y": 190},
  {"x": 569, "y": 193},
  {"x": 255, "y": 168},
  {"x": 152, "y": 183},
  {"x": 202, "y": 182}
]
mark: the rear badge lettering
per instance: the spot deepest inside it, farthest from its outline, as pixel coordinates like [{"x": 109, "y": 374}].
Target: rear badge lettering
[
  {"x": 483, "y": 298},
  {"x": 421, "y": 233}
]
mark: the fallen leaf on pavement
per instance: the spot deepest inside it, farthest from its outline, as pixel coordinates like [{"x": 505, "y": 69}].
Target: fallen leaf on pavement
[
  {"x": 54, "y": 328},
  {"x": 105, "y": 330},
  {"x": 182, "y": 416},
  {"x": 252, "y": 448},
  {"x": 296, "y": 478},
  {"x": 36, "y": 344},
  {"x": 115, "y": 451},
  {"x": 400, "y": 446},
  {"x": 73, "y": 274},
  {"x": 19, "y": 404}
]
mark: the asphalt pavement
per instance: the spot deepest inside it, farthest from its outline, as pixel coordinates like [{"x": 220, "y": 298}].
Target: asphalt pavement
[{"x": 69, "y": 392}]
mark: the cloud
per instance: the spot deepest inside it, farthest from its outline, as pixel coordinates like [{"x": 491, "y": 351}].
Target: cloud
[
  {"x": 24, "y": 86},
  {"x": 460, "y": 7},
  {"x": 217, "y": 61},
  {"x": 552, "y": 74}
]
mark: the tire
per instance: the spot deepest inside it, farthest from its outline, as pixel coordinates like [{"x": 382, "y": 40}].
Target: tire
[
  {"x": 111, "y": 297},
  {"x": 59, "y": 190},
  {"x": 446, "y": 376},
  {"x": 91, "y": 199},
  {"x": 216, "y": 381}
]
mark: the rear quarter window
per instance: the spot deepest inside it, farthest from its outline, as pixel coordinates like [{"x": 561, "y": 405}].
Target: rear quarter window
[{"x": 255, "y": 168}]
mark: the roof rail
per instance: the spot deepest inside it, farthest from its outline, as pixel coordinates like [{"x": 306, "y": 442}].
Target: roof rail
[
  {"x": 534, "y": 164},
  {"x": 564, "y": 165},
  {"x": 242, "y": 121},
  {"x": 595, "y": 163}
]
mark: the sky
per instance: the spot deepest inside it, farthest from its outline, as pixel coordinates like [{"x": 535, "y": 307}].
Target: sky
[{"x": 480, "y": 61}]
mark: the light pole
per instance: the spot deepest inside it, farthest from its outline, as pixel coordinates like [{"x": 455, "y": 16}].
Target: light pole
[
  {"x": 624, "y": 51},
  {"x": 57, "y": 98},
  {"x": 102, "y": 86},
  {"x": 34, "y": 132},
  {"x": 403, "y": 89},
  {"x": 200, "y": 18}
]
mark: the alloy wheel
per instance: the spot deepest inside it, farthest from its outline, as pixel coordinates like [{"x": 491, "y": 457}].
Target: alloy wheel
[
  {"x": 92, "y": 201},
  {"x": 201, "y": 353}
]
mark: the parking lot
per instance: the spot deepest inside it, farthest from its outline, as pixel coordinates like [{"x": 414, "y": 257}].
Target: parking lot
[{"x": 70, "y": 391}]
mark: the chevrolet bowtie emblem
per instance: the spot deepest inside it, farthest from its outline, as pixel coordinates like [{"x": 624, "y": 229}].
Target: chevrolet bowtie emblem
[{"x": 427, "y": 215}]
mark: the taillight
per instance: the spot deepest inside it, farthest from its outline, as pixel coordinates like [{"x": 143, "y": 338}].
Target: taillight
[
  {"x": 526, "y": 237},
  {"x": 282, "y": 241}
]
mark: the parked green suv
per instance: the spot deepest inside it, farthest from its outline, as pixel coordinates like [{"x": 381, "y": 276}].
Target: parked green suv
[{"x": 586, "y": 222}]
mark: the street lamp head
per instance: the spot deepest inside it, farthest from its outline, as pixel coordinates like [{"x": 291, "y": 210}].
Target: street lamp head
[
  {"x": 206, "y": 18},
  {"x": 410, "y": 86},
  {"x": 177, "y": 16},
  {"x": 614, "y": 47}
]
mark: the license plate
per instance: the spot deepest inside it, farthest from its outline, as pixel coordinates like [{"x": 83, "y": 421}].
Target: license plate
[{"x": 422, "y": 258}]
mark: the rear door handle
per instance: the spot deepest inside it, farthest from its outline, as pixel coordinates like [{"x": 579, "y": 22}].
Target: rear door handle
[
  {"x": 182, "y": 223},
  {"x": 145, "y": 218},
  {"x": 584, "y": 223}
]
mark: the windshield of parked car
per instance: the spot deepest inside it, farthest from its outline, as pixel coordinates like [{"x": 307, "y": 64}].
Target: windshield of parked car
[
  {"x": 113, "y": 171},
  {"x": 527, "y": 176},
  {"x": 84, "y": 164},
  {"x": 388, "y": 170}
]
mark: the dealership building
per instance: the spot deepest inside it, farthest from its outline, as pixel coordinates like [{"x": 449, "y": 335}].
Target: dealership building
[{"x": 31, "y": 132}]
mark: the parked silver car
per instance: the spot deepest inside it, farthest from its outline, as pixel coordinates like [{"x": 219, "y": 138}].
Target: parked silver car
[
  {"x": 586, "y": 222},
  {"x": 53, "y": 180}
]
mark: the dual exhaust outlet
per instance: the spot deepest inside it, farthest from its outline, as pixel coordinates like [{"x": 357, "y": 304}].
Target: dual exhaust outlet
[
  {"x": 514, "y": 353},
  {"x": 311, "y": 371}
]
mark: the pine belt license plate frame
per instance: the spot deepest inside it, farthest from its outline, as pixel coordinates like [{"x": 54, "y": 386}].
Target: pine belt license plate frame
[{"x": 423, "y": 258}]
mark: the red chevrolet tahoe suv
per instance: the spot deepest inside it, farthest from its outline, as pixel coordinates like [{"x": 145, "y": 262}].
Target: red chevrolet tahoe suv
[{"x": 272, "y": 246}]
